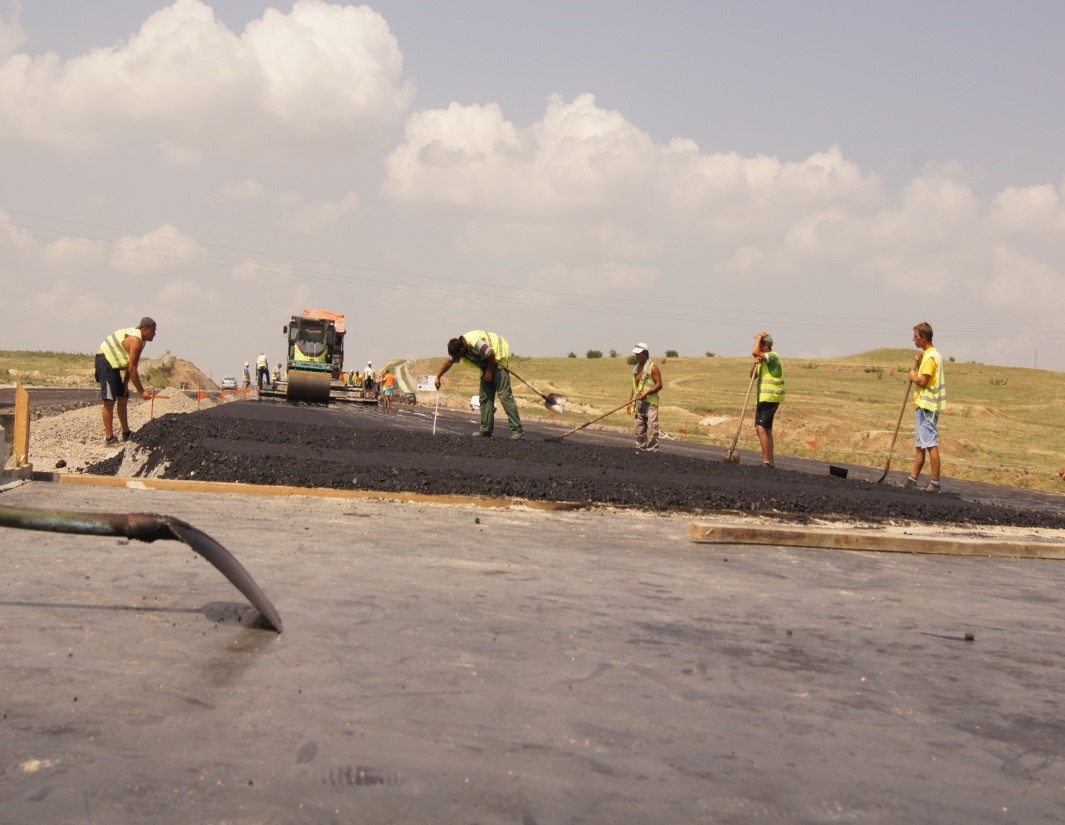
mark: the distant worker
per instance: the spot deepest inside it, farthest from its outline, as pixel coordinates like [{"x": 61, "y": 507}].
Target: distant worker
[
  {"x": 117, "y": 365},
  {"x": 930, "y": 399},
  {"x": 646, "y": 384},
  {"x": 490, "y": 353},
  {"x": 388, "y": 383},
  {"x": 369, "y": 379},
  {"x": 276, "y": 377},
  {"x": 247, "y": 375},
  {"x": 770, "y": 392},
  {"x": 262, "y": 371}
]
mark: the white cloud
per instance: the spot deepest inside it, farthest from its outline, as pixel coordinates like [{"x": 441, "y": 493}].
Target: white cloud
[{"x": 321, "y": 78}]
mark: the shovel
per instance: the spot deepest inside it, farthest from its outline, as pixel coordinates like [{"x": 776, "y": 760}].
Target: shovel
[
  {"x": 586, "y": 423},
  {"x": 554, "y": 402},
  {"x": 905, "y": 399},
  {"x": 730, "y": 456}
]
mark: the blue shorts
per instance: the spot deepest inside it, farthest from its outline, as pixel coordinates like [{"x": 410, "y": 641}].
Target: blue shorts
[
  {"x": 112, "y": 384},
  {"x": 926, "y": 426}
]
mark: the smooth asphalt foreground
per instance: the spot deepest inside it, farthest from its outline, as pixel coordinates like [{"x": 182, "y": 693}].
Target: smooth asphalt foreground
[{"x": 461, "y": 664}]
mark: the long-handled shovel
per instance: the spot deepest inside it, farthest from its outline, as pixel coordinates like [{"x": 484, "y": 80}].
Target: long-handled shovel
[
  {"x": 553, "y": 401},
  {"x": 730, "y": 456},
  {"x": 905, "y": 399},
  {"x": 586, "y": 423}
]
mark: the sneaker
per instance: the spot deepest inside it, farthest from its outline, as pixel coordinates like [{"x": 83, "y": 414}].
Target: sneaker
[
  {"x": 111, "y": 442},
  {"x": 931, "y": 488},
  {"x": 127, "y": 435},
  {"x": 910, "y": 484},
  {"x": 479, "y": 434},
  {"x": 517, "y": 436}
]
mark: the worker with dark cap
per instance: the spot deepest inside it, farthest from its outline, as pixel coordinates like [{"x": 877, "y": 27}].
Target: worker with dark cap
[
  {"x": 490, "y": 353},
  {"x": 117, "y": 363}
]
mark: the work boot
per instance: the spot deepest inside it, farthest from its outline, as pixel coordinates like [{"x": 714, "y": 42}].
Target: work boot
[
  {"x": 479, "y": 434},
  {"x": 517, "y": 436}
]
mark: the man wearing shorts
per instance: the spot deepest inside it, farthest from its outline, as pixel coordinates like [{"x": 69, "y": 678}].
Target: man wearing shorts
[
  {"x": 770, "y": 392},
  {"x": 930, "y": 399},
  {"x": 116, "y": 367}
]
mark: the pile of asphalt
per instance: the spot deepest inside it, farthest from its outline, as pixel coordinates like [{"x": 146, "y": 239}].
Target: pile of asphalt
[{"x": 304, "y": 446}]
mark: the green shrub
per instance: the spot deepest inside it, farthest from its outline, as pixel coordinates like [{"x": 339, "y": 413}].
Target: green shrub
[{"x": 594, "y": 353}]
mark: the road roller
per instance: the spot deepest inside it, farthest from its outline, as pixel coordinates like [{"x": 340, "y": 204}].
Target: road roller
[{"x": 315, "y": 354}]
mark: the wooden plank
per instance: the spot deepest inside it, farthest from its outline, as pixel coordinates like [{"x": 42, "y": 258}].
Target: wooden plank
[
  {"x": 864, "y": 540},
  {"x": 231, "y": 488}
]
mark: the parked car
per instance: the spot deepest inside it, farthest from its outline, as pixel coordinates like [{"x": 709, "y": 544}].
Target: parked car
[{"x": 229, "y": 383}]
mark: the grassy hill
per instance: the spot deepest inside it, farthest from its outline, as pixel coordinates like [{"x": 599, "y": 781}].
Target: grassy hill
[
  {"x": 64, "y": 369},
  {"x": 1004, "y": 425}
]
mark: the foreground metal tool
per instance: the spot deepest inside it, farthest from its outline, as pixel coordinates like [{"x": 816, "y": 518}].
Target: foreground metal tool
[
  {"x": 553, "y": 401},
  {"x": 730, "y": 456},
  {"x": 146, "y": 527},
  {"x": 887, "y": 464}
]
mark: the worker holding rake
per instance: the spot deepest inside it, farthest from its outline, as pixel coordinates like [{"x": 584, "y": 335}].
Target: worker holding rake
[
  {"x": 930, "y": 399},
  {"x": 770, "y": 372},
  {"x": 646, "y": 384}
]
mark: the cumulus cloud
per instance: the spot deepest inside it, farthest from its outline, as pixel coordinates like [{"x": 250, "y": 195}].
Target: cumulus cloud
[{"x": 322, "y": 78}]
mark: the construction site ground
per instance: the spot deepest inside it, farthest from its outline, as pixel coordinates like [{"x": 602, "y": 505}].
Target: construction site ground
[{"x": 488, "y": 631}]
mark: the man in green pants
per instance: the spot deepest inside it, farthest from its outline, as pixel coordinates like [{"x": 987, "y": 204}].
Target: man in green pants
[{"x": 489, "y": 352}]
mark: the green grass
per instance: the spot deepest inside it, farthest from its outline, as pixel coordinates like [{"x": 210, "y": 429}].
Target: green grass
[{"x": 1004, "y": 425}]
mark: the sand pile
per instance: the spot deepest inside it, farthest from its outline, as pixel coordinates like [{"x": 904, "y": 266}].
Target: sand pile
[{"x": 75, "y": 439}]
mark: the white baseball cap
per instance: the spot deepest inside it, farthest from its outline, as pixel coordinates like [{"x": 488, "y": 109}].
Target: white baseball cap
[{"x": 640, "y": 347}]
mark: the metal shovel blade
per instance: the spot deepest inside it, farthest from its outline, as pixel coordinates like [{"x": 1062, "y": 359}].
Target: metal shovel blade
[{"x": 555, "y": 402}]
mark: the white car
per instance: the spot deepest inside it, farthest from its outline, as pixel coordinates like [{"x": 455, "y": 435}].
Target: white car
[{"x": 229, "y": 383}]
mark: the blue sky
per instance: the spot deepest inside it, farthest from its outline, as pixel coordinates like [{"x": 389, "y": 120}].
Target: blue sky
[{"x": 573, "y": 175}]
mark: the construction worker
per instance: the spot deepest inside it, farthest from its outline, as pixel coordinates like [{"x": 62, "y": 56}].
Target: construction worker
[
  {"x": 646, "y": 384},
  {"x": 247, "y": 375},
  {"x": 770, "y": 392},
  {"x": 929, "y": 399},
  {"x": 388, "y": 384},
  {"x": 369, "y": 379},
  {"x": 117, "y": 363},
  {"x": 262, "y": 371},
  {"x": 490, "y": 353},
  {"x": 277, "y": 375}
]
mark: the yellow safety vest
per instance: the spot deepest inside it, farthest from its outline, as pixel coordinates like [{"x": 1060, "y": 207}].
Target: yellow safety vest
[
  {"x": 771, "y": 379},
  {"x": 262, "y": 363},
  {"x": 116, "y": 354},
  {"x": 498, "y": 344},
  {"x": 643, "y": 381},
  {"x": 932, "y": 397}
]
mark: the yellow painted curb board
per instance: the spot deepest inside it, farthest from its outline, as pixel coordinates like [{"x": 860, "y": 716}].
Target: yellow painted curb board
[
  {"x": 231, "y": 488},
  {"x": 830, "y": 539}
]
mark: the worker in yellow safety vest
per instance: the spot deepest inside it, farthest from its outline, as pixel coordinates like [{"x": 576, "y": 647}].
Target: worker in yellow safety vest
[
  {"x": 490, "y": 353},
  {"x": 646, "y": 384},
  {"x": 117, "y": 363},
  {"x": 770, "y": 392},
  {"x": 929, "y": 399}
]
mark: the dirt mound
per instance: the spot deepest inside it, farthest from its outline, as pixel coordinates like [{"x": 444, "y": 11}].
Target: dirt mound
[{"x": 170, "y": 371}]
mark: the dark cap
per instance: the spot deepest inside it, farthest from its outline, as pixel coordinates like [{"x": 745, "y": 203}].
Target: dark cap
[{"x": 146, "y": 322}]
